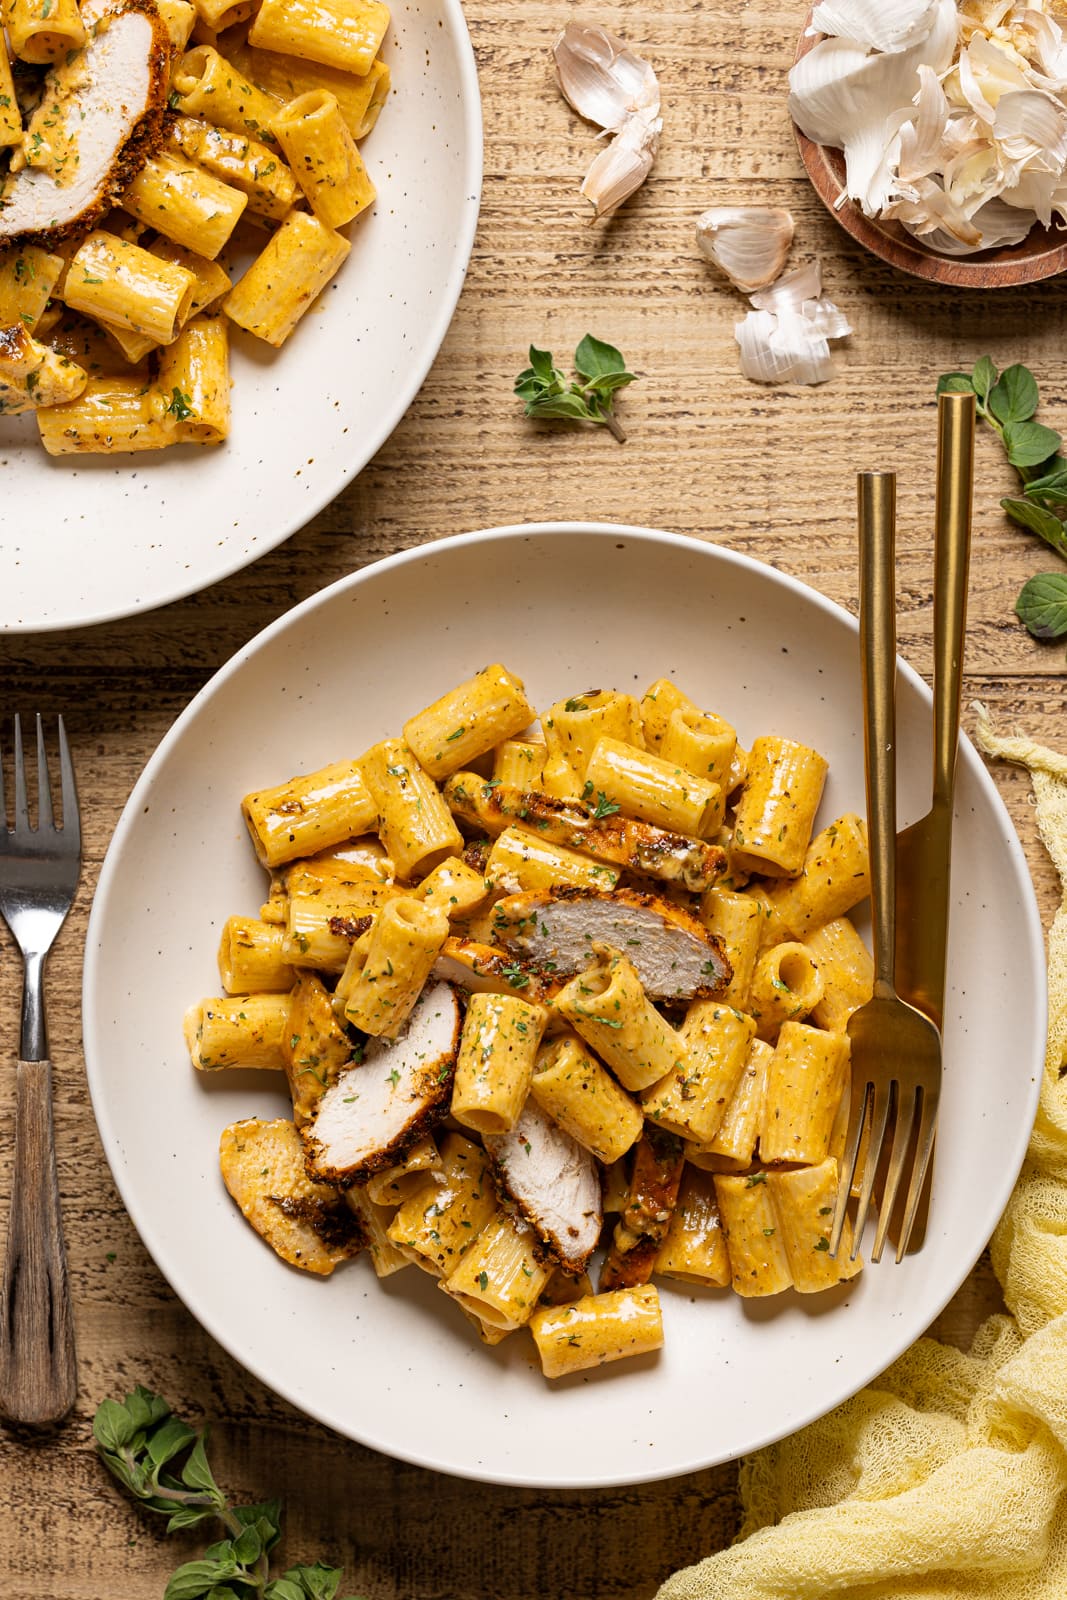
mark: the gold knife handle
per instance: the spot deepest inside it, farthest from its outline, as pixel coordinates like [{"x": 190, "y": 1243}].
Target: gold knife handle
[
  {"x": 955, "y": 486},
  {"x": 876, "y": 505}
]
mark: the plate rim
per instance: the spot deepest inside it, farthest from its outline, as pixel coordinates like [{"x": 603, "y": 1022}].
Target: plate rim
[
  {"x": 390, "y": 418},
  {"x": 1036, "y": 1000}
]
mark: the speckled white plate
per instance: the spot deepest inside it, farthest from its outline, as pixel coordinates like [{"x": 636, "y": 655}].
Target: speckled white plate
[
  {"x": 392, "y": 1365},
  {"x": 85, "y": 539}
]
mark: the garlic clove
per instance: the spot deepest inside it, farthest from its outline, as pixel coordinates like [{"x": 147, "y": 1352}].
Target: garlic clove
[
  {"x": 1030, "y": 125},
  {"x": 622, "y": 166},
  {"x": 749, "y": 243},
  {"x": 888, "y": 25},
  {"x": 602, "y": 78}
]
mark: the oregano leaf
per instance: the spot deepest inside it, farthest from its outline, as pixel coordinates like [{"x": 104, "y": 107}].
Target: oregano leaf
[
  {"x": 1042, "y": 605},
  {"x": 1013, "y": 398},
  {"x": 984, "y": 377},
  {"x": 1039, "y": 520},
  {"x": 955, "y": 383},
  {"x": 1029, "y": 444}
]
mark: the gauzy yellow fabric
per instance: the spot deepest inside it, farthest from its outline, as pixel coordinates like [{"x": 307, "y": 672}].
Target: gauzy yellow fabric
[{"x": 944, "y": 1479}]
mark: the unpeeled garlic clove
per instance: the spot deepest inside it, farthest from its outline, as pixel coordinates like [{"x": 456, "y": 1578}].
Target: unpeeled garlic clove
[
  {"x": 749, "y": 243},
  {"x": 608, "y": 84}
]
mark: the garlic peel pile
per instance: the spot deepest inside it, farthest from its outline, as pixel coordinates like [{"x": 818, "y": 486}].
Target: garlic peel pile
[
  {"x": 785, "y": 338},
  {"x": 749, "y": 243},
  {"x": 952, "y": 118},
  {"x": 608, "y": 84}
]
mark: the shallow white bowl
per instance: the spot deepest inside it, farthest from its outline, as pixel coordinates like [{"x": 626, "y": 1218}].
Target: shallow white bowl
[
  {"x": 566, "y": 607},
  {"x": 89, "y": 538}
]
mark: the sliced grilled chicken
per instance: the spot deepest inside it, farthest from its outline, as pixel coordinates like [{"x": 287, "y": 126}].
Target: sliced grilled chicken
[
  {"x": 483, "y": 969},
  {"x": 307, "y": 1224},
  {"x": 377, "y": 1111},
  {"x": 658, "y": 1164},
  {"x": 651, "y": 851},
  {"x": 675, "y": 955},
  {"x": 110, "y": 97},
  {"x": 316, "y": 1049},
  {"x": 552, "y": 1182}
]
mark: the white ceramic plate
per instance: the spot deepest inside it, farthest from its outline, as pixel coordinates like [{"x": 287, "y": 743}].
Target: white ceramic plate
[
  {"x": 90, "y": 538},
  {"x": 565, "y": 607}
]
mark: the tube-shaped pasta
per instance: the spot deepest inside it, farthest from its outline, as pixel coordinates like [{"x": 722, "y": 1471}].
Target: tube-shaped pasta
[
  {"x": 375, "y": 1220},
  {"x": 453, "y": 887},
  {"x": 759, "y": 1264},
  {"x": 847, "y": 973},
  {"x": 285, "y": 279},
  {"x": 309, "y": 813},
  {"x": 414, "y": 822},
  {"x": 596, "y": 1329},
  {"x": 28, "y": 276},
  {"x": 518, "y": 764},
  {"x": 404, "y": 944},
  {"x": 646, "y": 787},
  {"x": 215, "y": 16},
  {"x": 179, "y": 18},
  {"x": 245, "y": 1030},
  {"x": 239, "y": 160},
  {"x": 692, "y": 1098},
  {"x": 573, "y": 727},
  {"x": 110, "y": 416},
  {"x": 495, "y": 1063},
  {"x": 659, "y": 701},
  {"x": 324, "y": 160},
  {"x": 194, "y": 382},
  {"x": 352, "y": 861},
  {"x": 836, "y": 876},
  {"x": 206, "y": 85},
  {"x": 781, "y": 794},
  {"x": 251, "y": 960},
  {"x": 10, "y": 116},
  {"x": 735, "y": 1143},
  {"x": 608, "y": 1007},
  {"x": 346, "y": 34},
  {"x": 437, "y": 1225},
  {"x": 32, "y": 375},
  {"x": 693, "y": 1247},
  {"x": 40, "y": 31},
  {"x": 210, "y": 280},
  {"x": 185, "y": 203},
  {"x": 570, "y": 1084},
  {"x": 500, "y": 1278},
  {"x": 315, "y": 1046},
  {"x": 283, "y": 77},
  {"x": 701, "y": 743},
  {"x": 520, "y": 860},
  {"x": 392, "y": 1187},
  {"x": 735, "y": 918},
  {"x": 468, "y": 721},
  {"x": 786, "y": 985},
  {"x": 806, "y": 1078},
  {"x": 320, "y": 929},
  {"x": 804, "y": 1201}
]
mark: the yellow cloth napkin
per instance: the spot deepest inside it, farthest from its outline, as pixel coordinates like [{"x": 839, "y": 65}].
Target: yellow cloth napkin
[{"x": 943, "y": 1479}]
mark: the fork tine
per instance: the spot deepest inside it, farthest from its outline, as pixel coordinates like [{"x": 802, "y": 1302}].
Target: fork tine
[
  {"x": 21, "y": 819},
  {"x": 846, "y": 1176},
  {"x": 68, "y": 788},
  {"x": 879, "y": 1117},
  {"x": 905, "y": 1121},
  {"x": 45, "y": 814},
  {"x": 923, "y": 1150}
]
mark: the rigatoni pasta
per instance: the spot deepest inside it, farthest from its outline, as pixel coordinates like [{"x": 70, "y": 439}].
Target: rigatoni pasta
[{"x": 504, "y": 1087}]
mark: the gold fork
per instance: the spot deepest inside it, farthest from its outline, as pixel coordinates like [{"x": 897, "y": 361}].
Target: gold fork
[{"x": 896, "y": 1050}]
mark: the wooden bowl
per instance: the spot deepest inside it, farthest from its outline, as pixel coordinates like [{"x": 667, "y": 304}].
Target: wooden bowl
[{"x": 1042, "y": 254}]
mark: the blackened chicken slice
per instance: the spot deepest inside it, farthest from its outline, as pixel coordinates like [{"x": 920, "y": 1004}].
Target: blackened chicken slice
[
  {"x": 676, "y": 957},
  {"x": 552, "y": 1182},
  {"x": 100, "y": 118},
  {"x": 376, "y": 1111}
]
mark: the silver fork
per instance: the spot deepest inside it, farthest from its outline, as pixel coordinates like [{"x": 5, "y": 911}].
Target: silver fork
[{"x": 39, "y": 870}]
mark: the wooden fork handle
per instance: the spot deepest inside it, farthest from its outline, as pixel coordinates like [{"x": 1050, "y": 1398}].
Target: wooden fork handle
[{"x": 38, "y": 1373}]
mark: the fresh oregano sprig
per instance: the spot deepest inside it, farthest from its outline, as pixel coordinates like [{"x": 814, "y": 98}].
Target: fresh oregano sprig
[
  {"x": 1008, "y": 401},
  {"x": 590, "y": 397},
  {"x": 163, "y": 1463}
]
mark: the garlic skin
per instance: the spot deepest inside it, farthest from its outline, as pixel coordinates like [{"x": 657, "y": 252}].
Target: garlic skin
[
  {"x": 785, "y": 338},
  {"x": 609, "y": 85},
  {"x": 749, "y": 243},
  {"x": 960, "y": 136}
]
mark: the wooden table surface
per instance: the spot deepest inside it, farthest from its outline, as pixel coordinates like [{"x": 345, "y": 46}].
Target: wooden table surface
[{"x": 769, "y": 472}]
